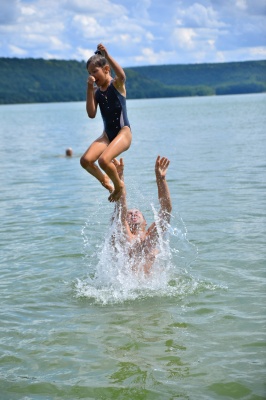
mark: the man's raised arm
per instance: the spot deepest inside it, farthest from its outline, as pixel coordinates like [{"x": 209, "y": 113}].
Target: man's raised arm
[{"x": 161, "y": 166}]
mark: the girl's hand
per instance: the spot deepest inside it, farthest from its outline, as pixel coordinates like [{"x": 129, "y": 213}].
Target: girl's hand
[
  {"x": 102, "y": 49},
  {"x": 91, "y": 81}
]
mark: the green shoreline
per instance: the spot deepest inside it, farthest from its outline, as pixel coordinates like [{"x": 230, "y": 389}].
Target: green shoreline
[{"x": 39, "y": 81}]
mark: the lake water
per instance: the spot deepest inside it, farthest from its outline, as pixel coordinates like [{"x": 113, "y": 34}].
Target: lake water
[{"x": 73, "y": 326}]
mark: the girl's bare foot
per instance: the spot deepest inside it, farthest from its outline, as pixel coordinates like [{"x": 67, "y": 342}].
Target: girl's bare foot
[
  {"x": 117, "y": 193},
  {"x": 106, "y": 183}
]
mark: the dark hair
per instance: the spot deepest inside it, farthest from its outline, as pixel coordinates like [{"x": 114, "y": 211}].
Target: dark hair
[{"x": 98, "y": 60}]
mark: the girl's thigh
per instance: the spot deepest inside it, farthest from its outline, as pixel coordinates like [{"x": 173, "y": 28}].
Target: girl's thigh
[
  {"x": 120, "y": 144},
  {"x": 96, "y": 148}
]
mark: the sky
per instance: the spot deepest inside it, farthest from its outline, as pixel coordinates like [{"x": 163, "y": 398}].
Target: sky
[{"x": 135, "y": 32}]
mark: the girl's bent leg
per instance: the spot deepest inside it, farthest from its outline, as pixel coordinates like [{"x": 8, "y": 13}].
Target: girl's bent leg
[
  {"x": 89, "y": 158},
  {"x": 120, "y": 144}
]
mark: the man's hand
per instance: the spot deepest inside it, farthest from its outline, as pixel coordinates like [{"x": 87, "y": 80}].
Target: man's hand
[
  {"x": 119, "y": 167},
  {"x": 161, "y": 166}
]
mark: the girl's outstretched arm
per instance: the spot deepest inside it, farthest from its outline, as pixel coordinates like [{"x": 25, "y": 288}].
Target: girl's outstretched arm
[{"x": 120, "y": 78}]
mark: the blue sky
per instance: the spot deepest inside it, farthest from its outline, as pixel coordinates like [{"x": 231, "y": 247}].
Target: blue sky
[{"x": 136, "y": 32}]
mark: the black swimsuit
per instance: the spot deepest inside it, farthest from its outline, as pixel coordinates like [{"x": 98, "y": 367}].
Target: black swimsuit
[{"x": 113, "y": 109}]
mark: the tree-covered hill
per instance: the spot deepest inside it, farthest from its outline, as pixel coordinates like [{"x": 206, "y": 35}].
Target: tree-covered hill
[
  {"x": 38, "y": 80},
  {"x": 222, "y": 78}
]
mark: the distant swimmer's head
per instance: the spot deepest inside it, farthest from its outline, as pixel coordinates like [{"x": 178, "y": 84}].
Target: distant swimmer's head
[
  {"x": 136, "y": 218},
  {"x": 69, "y": 152}
]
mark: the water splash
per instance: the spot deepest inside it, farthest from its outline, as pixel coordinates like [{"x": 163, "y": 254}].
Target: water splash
[{"x": 112, "y": 278}]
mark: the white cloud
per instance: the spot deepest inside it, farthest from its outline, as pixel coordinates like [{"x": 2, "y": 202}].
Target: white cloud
[
  {"x": 148, "y": 56},
  {"x": 17, "y": 51},
  {"x": 149, "y": 36},
  {"x": 26, "y": 11},
  {"x": 98, "y": 8},
  {"x": 199, "y": 16},
  {"x": 87, "y": 26},
  {"x": 140, "y": 9},
  {"x": 220, "y": 57},
  {"x": 258, "y": 53},
  {"x": 83, "y": 54},
  {"x": 241, "y": 4},
  {"x": 136, "y": 33},
  {"x": 57, "y": 44},
  {"x": 242, "y": 54},
  {"x": 184, "y": 38}
]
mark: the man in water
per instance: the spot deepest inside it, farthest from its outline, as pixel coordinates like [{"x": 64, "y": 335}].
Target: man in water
[{"x": 141, "y": 243}]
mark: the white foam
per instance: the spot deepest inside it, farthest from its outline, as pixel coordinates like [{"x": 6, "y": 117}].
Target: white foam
[{"x": 111, "y": 277}]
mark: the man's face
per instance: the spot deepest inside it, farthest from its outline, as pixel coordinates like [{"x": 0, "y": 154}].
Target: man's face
[{"x": 135, "y": 217}]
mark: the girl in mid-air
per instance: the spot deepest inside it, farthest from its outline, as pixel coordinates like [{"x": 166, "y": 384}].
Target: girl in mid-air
[{"x": 110, "y": 94}]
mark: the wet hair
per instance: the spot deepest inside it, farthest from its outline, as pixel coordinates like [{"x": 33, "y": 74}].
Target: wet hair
[{"x": 97, "y": 60}]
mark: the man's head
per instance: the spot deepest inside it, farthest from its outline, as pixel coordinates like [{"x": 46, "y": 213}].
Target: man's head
[
  {"x": 69, "y": 152},
  {"x": 135, "y": 219}
]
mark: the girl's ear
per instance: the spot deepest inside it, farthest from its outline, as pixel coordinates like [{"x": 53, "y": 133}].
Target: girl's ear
[{"x": 106, "y": 69}]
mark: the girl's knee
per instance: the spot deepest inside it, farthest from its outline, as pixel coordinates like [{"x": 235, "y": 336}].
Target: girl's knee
[
  {"x": 103, "y": 162},
  {"x": 85, "y": 162},
  {"x": 82, "y": 162}
]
